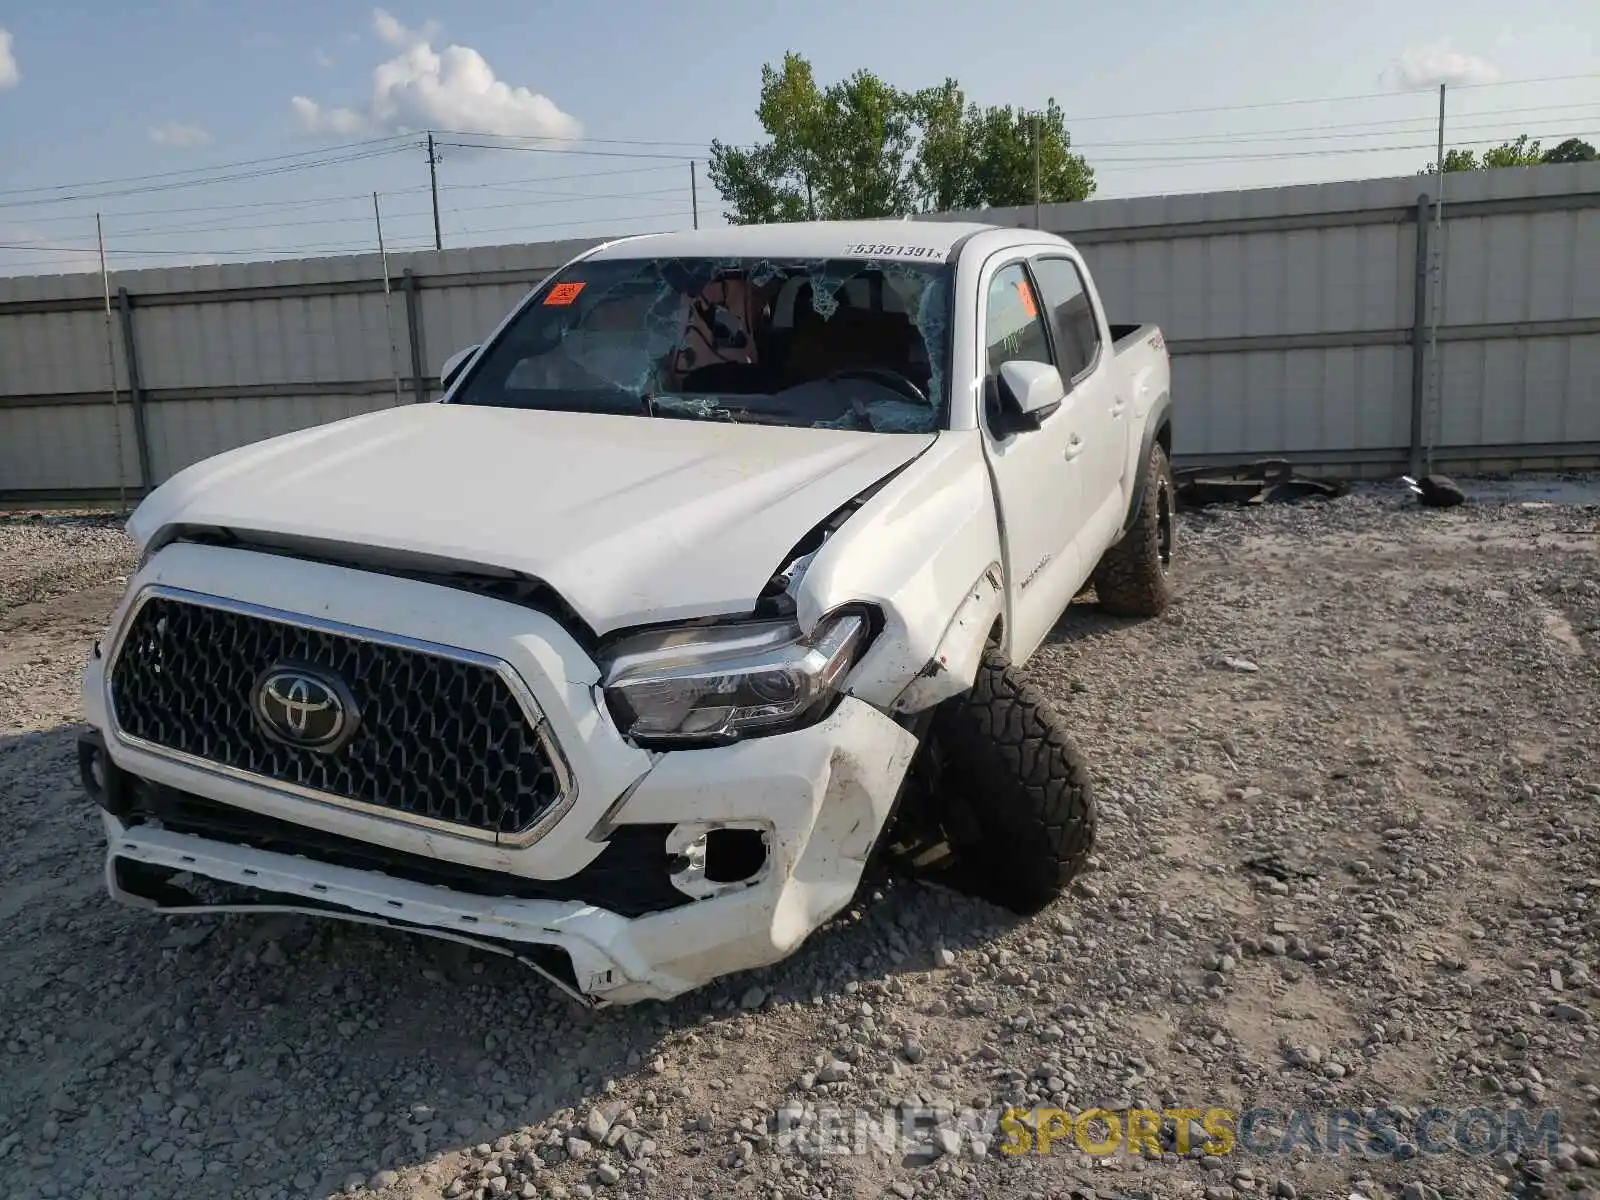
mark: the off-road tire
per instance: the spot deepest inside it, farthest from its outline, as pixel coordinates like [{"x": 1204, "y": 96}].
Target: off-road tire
[
  {"x": 1133, "y": 578},
  {"x": 1013, "y": 790}
]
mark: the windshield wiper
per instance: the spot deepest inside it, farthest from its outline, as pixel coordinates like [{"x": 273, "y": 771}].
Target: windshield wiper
[{"x": 648, "y": 400}]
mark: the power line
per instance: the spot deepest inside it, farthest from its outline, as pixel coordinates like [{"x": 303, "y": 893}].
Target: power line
[
  {"x": 353, "y": 197},
  {"x": 1181, "y": 159},
  {"x": 1271, "y": 104},
  {"x": 393, "y": 143},
  {"x": 179, "y": 185},
  {"x": 312, "y": 202},
  {"x": 585, "y": 153},
  {"x": 246, "y": 162},
  {"x": 516, "y": 187},
  {"x": 542, "y": 137},
  {"x": 263, "y": 251},
  {"x": 1314, "y": 133},
  {"x": 551, "y": 198}
]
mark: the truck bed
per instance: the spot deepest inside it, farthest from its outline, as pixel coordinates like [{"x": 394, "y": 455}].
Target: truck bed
[{"x": 1123, "y": 336}]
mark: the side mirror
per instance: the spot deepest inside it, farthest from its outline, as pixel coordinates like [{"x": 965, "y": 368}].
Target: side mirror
[
  {"x": 1028, "y": 393},
  {"x": 452, "y": 366}
]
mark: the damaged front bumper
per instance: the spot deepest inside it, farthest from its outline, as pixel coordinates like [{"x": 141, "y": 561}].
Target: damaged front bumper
[{"x": 763, "y": 841}]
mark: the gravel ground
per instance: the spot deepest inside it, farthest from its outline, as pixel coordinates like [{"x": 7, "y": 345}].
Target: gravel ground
[{"x": 1350, "y": 792}]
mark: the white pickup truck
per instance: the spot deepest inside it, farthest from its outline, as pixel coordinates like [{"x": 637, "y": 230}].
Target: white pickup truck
[{"x": 711, "y": 575}]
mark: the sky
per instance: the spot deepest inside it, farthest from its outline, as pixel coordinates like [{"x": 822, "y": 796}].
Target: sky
[{"x": 137, "y": 110}]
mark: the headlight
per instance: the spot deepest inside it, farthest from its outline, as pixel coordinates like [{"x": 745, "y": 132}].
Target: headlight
[{"x": 715, "y": 684}]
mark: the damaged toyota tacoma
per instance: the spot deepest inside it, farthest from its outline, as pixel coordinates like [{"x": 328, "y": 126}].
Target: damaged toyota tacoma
[{"x": 711, "y": 576}]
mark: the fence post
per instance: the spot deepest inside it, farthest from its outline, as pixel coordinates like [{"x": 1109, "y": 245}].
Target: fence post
[
  {"x": 1419, "y": 337},
  {"x": 130, "y": 355},
  {"x": 419, "y": 380}
]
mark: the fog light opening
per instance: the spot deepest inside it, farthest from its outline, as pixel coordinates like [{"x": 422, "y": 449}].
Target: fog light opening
[
  {"x": 734, "y": 855},
  {"x": 706, "y": 861}
]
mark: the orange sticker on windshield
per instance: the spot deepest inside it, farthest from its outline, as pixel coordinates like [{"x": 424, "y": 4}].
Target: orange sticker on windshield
[
  {"x": 563, "y": 293},
  {"x": 1025, "y": 294}
]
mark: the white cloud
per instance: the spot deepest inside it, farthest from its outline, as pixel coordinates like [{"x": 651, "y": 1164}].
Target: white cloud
[
  {"x": 328, "y": 120},
  {"x": 423, "y": 88},
  {"x": 180, "y": 134},
  {"x": 1429, "y": 66},
  {"x": 392, "y": 31},
  {"x": 322, "y": 58},
  {"x": 9, "y": 75}
]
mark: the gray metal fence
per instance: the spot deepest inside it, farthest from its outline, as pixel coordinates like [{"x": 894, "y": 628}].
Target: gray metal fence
[{"x": 1297, "y": 319}]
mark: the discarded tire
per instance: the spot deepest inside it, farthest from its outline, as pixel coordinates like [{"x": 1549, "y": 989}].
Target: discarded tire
[
  {"x": 1439, "y": 491},
  {"x": 1133, "y": 578},
  {"x": 1013, "y": 790}
]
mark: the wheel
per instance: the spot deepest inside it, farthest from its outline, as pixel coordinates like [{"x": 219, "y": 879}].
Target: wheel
[
  {"x": 1134, "y": 577},
  {"x": 1012, "y": 790}
]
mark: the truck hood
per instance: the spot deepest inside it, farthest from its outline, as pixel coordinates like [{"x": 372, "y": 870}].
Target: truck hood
[{"x": 630, "y": 520}]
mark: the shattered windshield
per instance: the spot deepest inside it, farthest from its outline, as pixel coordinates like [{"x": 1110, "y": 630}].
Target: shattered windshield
[{"x": 829, "y": 343}]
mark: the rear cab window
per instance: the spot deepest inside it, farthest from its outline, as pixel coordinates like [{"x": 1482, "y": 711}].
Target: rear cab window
[{"x": 1072, "y": 316}]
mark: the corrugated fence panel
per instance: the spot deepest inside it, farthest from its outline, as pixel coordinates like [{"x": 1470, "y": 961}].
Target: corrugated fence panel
[
  {"x": 297, "y": 339},
  {"x": 67, "y": 447},
  {"x": 187, "y": 431},
  {"x": 458, "y": 317},
  {"x": 1507, "y": 391},
  {"x": 1273, "y": 284},
  {"x": 1288, "y": 312}
]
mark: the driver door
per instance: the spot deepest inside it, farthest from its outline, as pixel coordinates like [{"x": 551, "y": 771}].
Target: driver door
[{"x": 1036, "y": 471}]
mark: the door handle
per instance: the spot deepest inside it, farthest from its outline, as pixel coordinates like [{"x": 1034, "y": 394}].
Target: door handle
[{"x": 1074, "y": 448}]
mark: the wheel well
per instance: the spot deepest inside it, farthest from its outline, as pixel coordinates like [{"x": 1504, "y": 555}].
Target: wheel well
[
  {"x": 1164, "y": 436},
  {"x": 997, "y": 632}
]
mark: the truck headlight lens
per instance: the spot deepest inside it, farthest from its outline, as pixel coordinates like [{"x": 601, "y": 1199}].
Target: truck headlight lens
[{"x": 714, "y": 684}]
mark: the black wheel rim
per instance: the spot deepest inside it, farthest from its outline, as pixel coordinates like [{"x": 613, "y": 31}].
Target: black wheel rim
[{"x": 1164, "y": 526}]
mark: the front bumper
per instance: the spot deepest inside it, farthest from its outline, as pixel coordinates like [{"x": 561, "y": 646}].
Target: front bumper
[{"x": 818, "y": 797}]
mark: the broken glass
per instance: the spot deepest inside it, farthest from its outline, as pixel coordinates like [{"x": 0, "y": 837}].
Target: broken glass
[{"x": 838, "y": 343}]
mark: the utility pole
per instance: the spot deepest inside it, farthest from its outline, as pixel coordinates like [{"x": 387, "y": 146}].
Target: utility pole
[
  {"x": 111, "y": 363},
  {"x": 694, "y": 195},
  {"x": 1038, "y": 188},
  {"x": 433, "y": 184},
  {"x": 388, "y": 311},
  {"x": 1437, "y": 251}
]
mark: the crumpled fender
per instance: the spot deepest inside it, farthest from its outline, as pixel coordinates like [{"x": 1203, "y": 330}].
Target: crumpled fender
[
  {"x": 954, "y": 664},
  {"x": 919, "y": 551}
]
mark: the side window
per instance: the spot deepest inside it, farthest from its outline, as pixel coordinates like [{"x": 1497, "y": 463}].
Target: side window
[
  {"x": 1067, "y": 300},
  {"x": 1014, "y": 320}
]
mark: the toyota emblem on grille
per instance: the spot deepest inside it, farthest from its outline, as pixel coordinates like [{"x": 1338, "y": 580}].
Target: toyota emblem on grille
[{"x": 306, "y": 708}]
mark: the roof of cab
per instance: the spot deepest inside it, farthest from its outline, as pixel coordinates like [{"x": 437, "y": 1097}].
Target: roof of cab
[{"x": 925, "y": 240}]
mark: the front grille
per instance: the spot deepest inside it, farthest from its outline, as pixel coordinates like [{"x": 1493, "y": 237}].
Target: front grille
[{"x": 439, "y": 738}]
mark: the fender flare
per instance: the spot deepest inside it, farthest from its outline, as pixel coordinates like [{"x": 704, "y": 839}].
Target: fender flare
[{"x": 1158, "y": 421}]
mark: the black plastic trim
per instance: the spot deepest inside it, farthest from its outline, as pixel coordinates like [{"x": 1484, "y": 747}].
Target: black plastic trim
[
  {"x": 631, "y": 876},
  {"x": 1160, "y": 416}
]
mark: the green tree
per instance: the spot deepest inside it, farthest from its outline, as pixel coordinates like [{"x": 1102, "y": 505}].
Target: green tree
[
  {"x": 1570, "y": 151},
  {"x": 1456, "y": 160},
  {"x": 862, "y": 148},
  {"x": 843, "y": 151},
  {"x": 1519, "y": 153}
]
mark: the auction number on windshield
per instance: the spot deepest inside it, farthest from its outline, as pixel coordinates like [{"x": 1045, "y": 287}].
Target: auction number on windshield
[{"x": 879, "y": 250}]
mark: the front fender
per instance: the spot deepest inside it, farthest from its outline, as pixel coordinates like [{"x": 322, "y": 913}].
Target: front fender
[{"x": 914, "y": 551}]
